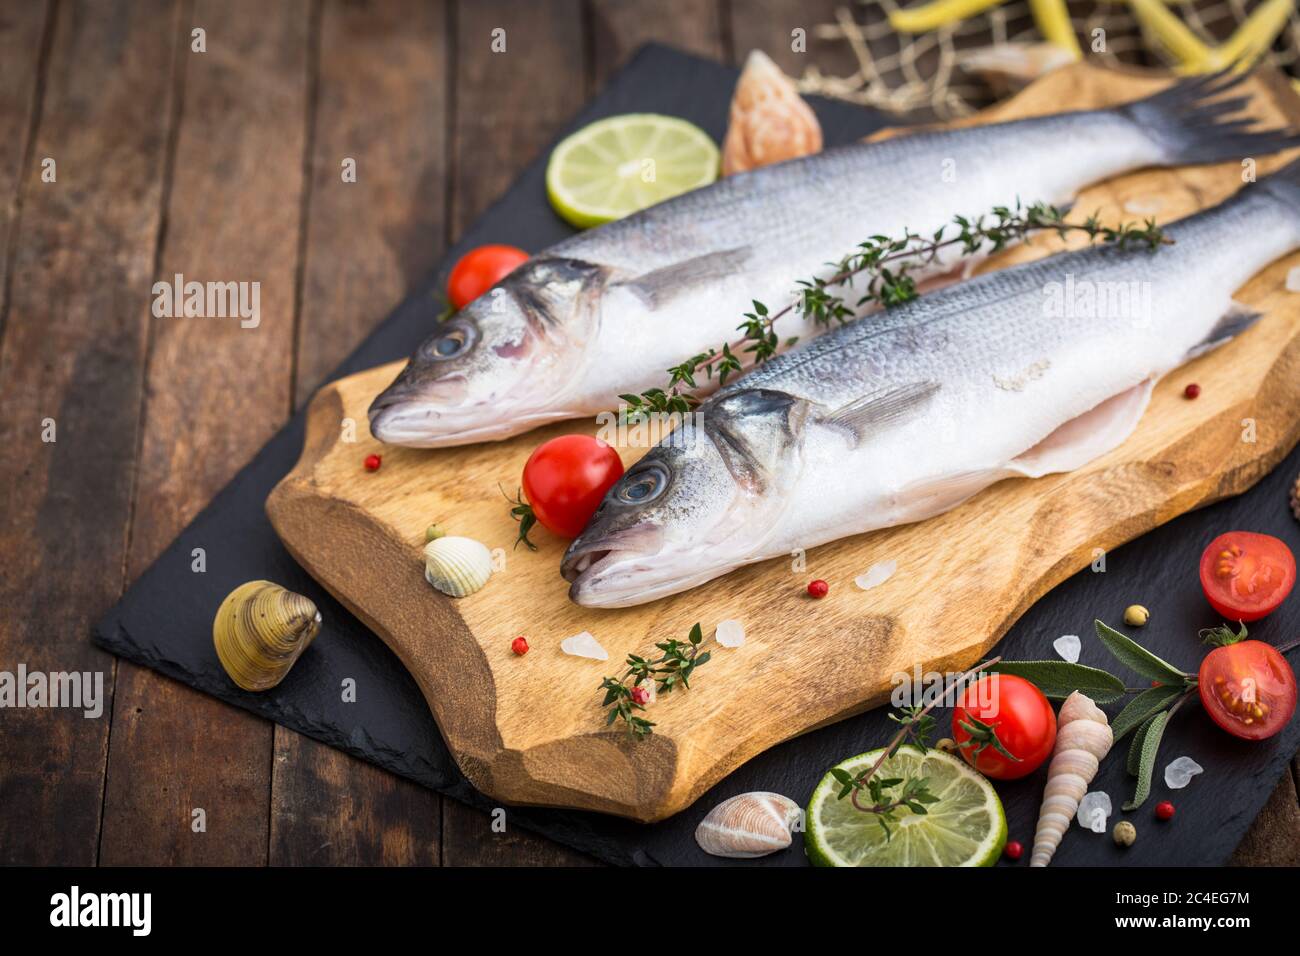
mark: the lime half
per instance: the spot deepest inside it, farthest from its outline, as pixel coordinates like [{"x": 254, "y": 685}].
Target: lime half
[
  {"x": 965, "y": 827},
  {"x": 618, "y": 165}
]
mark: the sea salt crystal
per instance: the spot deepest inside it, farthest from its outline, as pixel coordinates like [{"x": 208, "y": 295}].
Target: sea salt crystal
[
  {"x": 1094, "y": 811},
  {"x": 1293, "y": 280},
  {"x": 1180, "y": 772},
  {"x": 876, "y": 575},
  {"x": 1067, "y": 645},
  {"x": 584, "y": 645},
  {"x": 1143, "y": 207},
  {"x": 730, "y": 633}
]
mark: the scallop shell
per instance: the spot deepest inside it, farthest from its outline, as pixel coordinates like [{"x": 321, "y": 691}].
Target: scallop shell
[
  {"x": 457, "y": 566},
  {"x": 748, "y": 825},
  {"x": 770, "y": 122},
  {"x": 259, "y": 632}
]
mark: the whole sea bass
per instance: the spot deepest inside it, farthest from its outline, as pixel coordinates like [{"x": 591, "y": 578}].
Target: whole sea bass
[
  {"x": 606, "y": 312},
  {"x": 1035, "y": 369}
]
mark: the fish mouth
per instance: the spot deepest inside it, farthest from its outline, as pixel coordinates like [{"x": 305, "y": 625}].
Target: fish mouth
[{"x": 587, "y": 564}]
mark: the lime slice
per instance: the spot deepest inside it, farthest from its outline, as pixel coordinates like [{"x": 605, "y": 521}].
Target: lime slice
[
  {"x": 615, "y": 166},
  {"x": 965, "y": 827}
]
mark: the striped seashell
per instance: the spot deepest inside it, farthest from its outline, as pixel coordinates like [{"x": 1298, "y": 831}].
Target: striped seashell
[
  {"x": 748, "y": 825},
  {"x": 1083, "y": 738}
]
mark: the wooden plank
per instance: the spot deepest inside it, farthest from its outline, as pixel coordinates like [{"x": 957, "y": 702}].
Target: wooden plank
[
  {"x": 469, "y": 840},
  {"x": 507, "y": 107},
  {"x": 531, "y": 731},
  {"x": 382, "y": 102},
  {"x": 329, "y": 809},
  {"x": 74, "y": 351},
  {"x": 23, "y": 32},
  {"x": 216, "y": 392},
  {"x": 1274, "y": 838},
  {"x": 769, "y": 25},
  {"x": 618, "y": 27}
]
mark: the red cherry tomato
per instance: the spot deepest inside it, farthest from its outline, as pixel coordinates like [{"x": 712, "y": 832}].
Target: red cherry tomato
[
  {"x": 479, "y": 270},
  {"x": 1017, "y": 712},
  {"x": 1245, "y": 575},
  {"x": 1248, "y": 689},
  {"x": 566, "y": 478}
]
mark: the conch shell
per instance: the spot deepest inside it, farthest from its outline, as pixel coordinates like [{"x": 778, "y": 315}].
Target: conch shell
[
  {"x": 748, "y": 825},
  {"x": 770, "y": 122},
  {"x": 457, "y": 566},
  {"x": 1083, "y": 738},
  {"x": 259, "y": 632}
]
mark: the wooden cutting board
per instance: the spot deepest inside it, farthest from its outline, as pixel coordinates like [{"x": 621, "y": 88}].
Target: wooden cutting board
[{"x": 530, "y": 730}]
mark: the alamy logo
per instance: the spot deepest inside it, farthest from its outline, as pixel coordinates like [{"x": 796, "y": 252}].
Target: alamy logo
[
  {"x": 209, "y": 300},
  {"x": 1089, "y": 299},
  {"x": 75, "y": 689},
  {"x": 102, "y": 909}
]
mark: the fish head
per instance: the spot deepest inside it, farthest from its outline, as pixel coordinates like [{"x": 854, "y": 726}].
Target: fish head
[
  {"x": 699, "y": 503},
  {"x": 497, "y": 367}
]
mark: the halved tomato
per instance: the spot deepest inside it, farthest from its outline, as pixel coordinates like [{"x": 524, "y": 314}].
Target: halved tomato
[
  {"x": 1247, "y": 688},
  {"x": 1246, "y": 575}
]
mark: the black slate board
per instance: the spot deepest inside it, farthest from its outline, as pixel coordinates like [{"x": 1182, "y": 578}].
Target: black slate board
[{"x": 165, "y": 619}]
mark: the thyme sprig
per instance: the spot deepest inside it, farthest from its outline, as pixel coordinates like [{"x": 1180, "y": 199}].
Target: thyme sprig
[
  {"x": 672, "y": 669},
  {"x": 522, "y": 512},
  {"x": 884, "y": 267},
  {"x": 886, "y": 796}
]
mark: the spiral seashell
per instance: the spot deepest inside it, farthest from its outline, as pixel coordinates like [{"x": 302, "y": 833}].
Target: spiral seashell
[
  {"x": 1083, "y": 738},
  {"x": 748, "y": 825},
  {"x": 770, "y": 122},
  {"x": 259, "y": 632},
  {"x": 457, "y": 566}
]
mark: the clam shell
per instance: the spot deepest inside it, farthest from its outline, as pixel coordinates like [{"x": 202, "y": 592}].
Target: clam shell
[
  {"x": 748, "y": 825},
  {"x": 259, "y": 632},
  {"x": 457, "y": 566}
]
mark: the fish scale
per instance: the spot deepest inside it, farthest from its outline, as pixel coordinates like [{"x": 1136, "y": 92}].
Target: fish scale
[
  {"x": 907, "y": 413},
  {"x": 606, "y": 312}
]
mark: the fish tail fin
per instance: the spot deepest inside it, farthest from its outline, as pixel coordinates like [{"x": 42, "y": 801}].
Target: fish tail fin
[{"x": 1192, "y": 124}]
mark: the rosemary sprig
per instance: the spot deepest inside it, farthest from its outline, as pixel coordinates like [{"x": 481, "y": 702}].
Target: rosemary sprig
[
  {"x": 672, "y": 669},
  {"x": 886, "y": 796},
  {"x": 885, "y": 265}
]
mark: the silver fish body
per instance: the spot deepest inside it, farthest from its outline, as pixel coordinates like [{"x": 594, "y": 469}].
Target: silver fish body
[
  {"x": 605, "y": 312},
  {"x": 1031, "y": 370}
]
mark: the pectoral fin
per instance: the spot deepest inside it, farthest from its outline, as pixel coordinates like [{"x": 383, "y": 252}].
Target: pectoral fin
[
  {"x": 667, "y": 282},
  {"x": 883, "y": 408}
]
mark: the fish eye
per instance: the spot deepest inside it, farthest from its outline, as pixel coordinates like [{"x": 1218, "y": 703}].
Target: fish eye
[
  {"x": 644, "y": 485},
  {"x": 453, "y": 339}
]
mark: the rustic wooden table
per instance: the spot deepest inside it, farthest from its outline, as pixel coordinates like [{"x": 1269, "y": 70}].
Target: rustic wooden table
[{"x": 225, "y": 165}]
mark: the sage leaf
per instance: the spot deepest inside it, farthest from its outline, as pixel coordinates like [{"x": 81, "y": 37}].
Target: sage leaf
[
  {"x": 1133, "y": 761},
  {"x": 1059, "y": 679},
  {"x": 1142, "y": 707},
  {"x": 1155, "y": 729},
  {"x": 1136, "y": 657}
]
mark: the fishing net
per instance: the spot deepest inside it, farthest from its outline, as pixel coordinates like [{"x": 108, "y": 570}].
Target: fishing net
[{"x": 931, "y": 75}]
